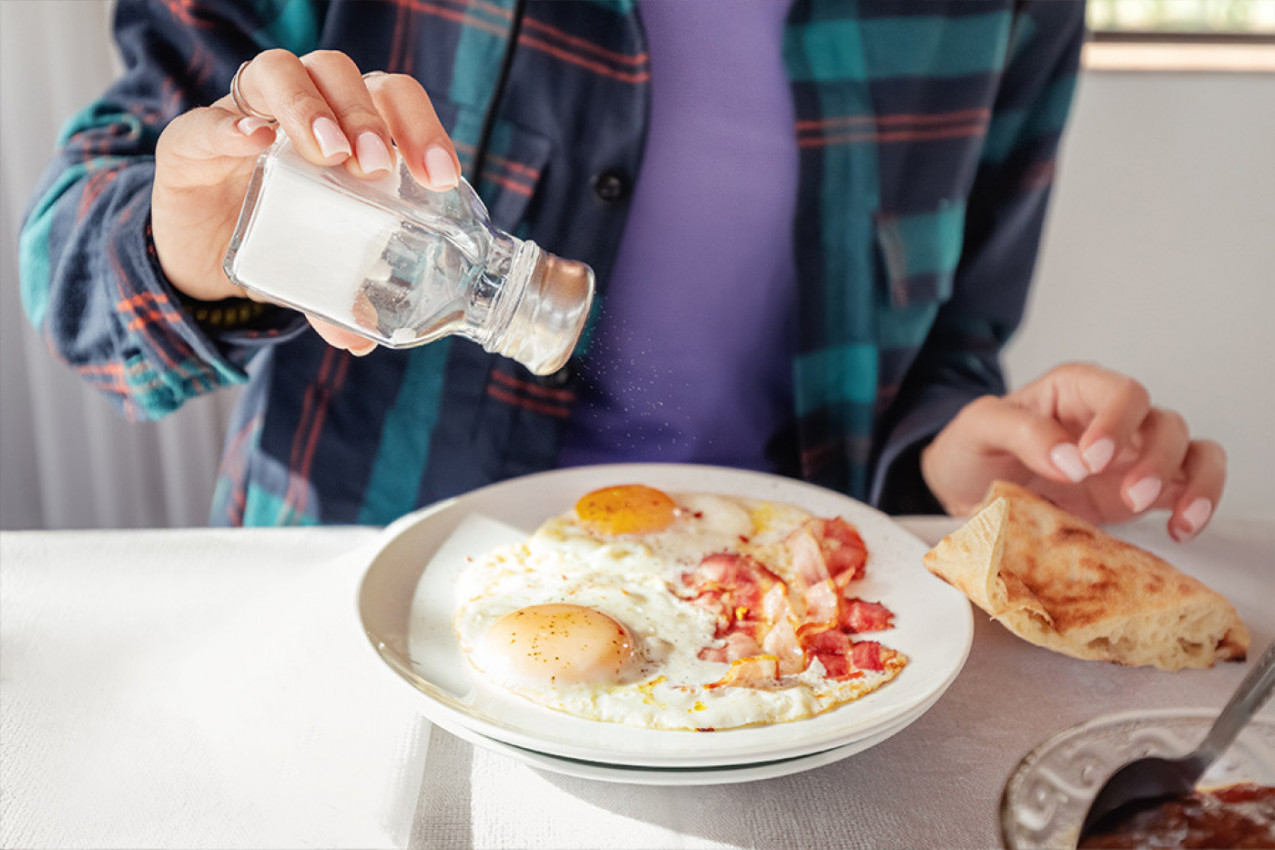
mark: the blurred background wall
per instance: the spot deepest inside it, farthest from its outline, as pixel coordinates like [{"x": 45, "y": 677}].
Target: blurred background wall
[
  {"x": 1159, "y": 257},
  {"x": 1159, "y": 261}
]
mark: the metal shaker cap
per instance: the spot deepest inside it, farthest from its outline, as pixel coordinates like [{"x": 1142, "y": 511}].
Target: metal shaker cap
[{"x": 551, "y": 315}]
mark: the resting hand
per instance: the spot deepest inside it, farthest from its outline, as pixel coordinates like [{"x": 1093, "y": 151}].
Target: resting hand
[
  {"x": 332, "y": 114},
  {"x": 1086, "y": 438}
]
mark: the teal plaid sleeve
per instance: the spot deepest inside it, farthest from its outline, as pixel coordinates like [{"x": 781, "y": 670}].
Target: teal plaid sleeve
[
  {"x": 1002, "y": 223},
  {"x": 91, "y": 283}
]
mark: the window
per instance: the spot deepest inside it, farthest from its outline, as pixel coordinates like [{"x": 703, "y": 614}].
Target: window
[
  {"x": 1181, "y": 35},
  {"x": 1168, "y": 18}
]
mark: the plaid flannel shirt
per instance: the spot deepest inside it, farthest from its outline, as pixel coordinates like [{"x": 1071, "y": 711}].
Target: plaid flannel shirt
[{"x": 927, "y": 134}]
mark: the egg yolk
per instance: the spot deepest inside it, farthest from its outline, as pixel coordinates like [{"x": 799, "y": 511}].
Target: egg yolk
[
  {"x": 626, "y": 509},
  {"x": 558, "y": 644}
]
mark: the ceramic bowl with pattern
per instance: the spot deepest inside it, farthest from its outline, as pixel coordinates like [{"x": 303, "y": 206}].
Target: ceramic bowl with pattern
[{"x": 1048, "y": 793}]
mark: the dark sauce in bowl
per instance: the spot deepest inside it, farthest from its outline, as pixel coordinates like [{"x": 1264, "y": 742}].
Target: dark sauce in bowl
[{"x": 1237, "y": 816}]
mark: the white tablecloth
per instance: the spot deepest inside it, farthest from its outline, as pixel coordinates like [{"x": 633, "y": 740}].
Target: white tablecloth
[{"x": 205, "y": 688}]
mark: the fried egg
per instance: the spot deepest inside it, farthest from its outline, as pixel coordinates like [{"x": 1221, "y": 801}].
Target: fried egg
[
  {"x": 585, "y": 616},
  {"x": 641, "y": 522}
]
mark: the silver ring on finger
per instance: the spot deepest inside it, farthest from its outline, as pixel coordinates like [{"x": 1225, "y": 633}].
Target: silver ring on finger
[{"x": 236, "y": 94}]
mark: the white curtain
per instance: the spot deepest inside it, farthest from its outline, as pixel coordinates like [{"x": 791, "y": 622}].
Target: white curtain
[{"x": 67, "y": 460}]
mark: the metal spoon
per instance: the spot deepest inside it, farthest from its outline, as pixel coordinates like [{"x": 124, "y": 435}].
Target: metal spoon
[{"x": 1152, "y": 777}]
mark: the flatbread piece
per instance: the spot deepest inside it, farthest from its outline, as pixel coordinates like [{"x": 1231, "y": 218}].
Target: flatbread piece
[{"x": 1064, "y": 584}]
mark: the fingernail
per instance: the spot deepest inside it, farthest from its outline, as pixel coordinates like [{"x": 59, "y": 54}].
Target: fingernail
[
  {"x": 362, "y": 351},
  {"x": 372, "y": 153},
  {"x": 1066, "y": 459},
  {"x": 1099, "y": 454},
  {"x": 1196, "y": 514},
  {"x": 1142, "y": 494},
  {"x": 328, "y": 135},
  {"x": 250, "y": 125},
  {"x": 439, "y": 167}
]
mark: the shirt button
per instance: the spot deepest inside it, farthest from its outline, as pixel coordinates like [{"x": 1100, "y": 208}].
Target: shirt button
[{"x": 611, "y": 185}]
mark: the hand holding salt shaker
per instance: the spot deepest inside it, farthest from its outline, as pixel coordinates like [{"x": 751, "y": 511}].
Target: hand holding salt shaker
[{"x": 402, "y": 265}]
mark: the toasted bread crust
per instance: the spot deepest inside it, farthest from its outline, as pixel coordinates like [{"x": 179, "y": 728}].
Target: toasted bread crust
[{"x": 1060, "y": 582}]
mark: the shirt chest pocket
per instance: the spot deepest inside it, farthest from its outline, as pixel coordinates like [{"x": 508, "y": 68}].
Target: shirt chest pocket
[
  {"x": 918, "y": 257},
  {"x": 512, "y": 169}
]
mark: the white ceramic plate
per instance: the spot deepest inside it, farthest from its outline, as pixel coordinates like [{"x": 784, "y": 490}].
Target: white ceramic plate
[
  {"x": 406, "y": 612},
  {"x": 636, "y": 775}
]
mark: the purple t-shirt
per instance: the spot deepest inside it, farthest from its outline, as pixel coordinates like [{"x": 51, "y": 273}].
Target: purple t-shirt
[{"x": 691, "y": 358}]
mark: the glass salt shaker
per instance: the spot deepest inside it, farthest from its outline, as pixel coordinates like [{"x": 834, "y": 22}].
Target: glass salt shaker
[{"x": 402, "y": 265}]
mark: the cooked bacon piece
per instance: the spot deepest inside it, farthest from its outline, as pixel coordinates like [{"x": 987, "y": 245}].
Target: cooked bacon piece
[
  {"x": 710, "y": 587},
  {"x": 866, "y": 655},
  {"x": 827, "y": 548},
  {"x": 734, "y": 581},
  {"x": 832, "y": 648},
  {"x": 782, "y": 642},
  {"x": 808, "y": 563},
  {"x": 748, "y": 600},
  {"x": 859, "y": 616},
  {"x": 752, "y": 671},
  {"x": 835, "y": 666},
  {"x": 778, "y": 633},
  {"x": 739, "y": 644},
  {"x": 711, "y": 601},
  {"x": 769, "y": 629},
  {"x": 841, "y": 657},
  {"x": 775, "y": 604},
  {"x": 730, "y": 569},
  {"x": 755, "y": 630},
  {"x": 822, "y": 603},
  {"x": 720, "y": 570},
  {"x": 828, "y": 641},
  {"x": 845, "y": 550}
]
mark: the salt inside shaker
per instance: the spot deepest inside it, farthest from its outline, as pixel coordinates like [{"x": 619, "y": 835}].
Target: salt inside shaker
[{"x": 402, "y": 265}]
